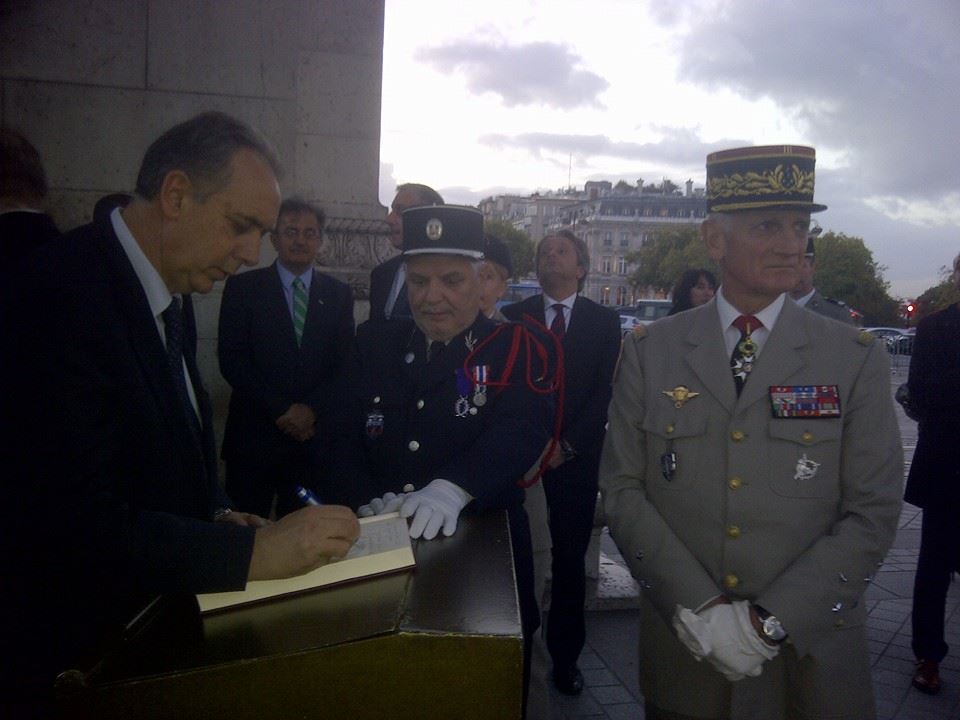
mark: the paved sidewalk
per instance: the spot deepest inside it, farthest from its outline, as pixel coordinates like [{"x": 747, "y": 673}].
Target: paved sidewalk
[{"x": 609, "y": 661}]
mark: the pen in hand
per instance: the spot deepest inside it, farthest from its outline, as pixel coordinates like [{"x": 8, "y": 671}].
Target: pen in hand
[{"x": 306, "y": 496}]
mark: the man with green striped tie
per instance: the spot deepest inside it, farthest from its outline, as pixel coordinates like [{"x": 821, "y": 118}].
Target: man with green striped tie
[{"x": 284, "y": 333}]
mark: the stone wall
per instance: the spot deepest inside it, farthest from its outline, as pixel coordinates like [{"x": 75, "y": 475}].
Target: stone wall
[{"x": 93, "y": 83}]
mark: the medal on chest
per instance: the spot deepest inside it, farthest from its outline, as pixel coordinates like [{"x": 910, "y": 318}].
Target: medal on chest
[
  {"x": 480, "y": 373},
  {"x": 472, "y": 387},
  {"x": 746, "y": 355},
  {"x": 461, "y": 408}
]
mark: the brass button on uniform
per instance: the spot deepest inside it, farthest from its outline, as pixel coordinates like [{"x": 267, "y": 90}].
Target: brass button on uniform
[
  {"x": 733, "y": 532},
  {"x": 839, "y": 623},
  {"x": 413, "y": 445},
  {"x": 735, "y": 483},
  {"x": 670, "y": 429},
  {"x": 730, "y": 581},
  {"x": 737, "y": 435},
  {"x": 419, "y": 404},
  {"x": 807, "y": 436}
]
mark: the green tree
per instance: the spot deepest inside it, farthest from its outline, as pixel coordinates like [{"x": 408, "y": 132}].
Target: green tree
[
  {"x": 847, "y": 271},
  {"x": 942, "y": 295},
  {"x": 666, "y": 254},
  {"x": 521, "y": 247}
]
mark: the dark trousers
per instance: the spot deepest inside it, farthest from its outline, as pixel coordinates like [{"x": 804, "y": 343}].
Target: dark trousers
[
  {"x": 939, "y": 557},
  {"x": 523, "y": 574},
  {"x": 252, "y": 483},
  {"x": 571, "y": 499}
]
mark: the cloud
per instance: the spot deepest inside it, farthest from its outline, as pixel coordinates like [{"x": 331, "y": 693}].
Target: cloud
[
  {"x": 679, "y": 147},
  {"x": 536, "y": 73},
  {"x": 874, "y": 81}
]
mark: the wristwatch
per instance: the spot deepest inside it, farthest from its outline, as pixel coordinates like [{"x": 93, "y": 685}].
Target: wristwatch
[{"x": 770, "y": 627}]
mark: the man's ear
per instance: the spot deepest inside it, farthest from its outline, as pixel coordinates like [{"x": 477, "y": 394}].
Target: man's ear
[
  {"x": 714, "y": 237},
  {"x": 175, "y": 191}
]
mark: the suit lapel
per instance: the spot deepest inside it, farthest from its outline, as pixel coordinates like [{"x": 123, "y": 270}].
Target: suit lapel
[
  {"x": 147, "y": 345},
  {"x": 780, "y": 357},
  {"x": 707, "y": 357}
]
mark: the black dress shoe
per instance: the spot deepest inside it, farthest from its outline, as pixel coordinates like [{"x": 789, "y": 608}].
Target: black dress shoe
[
  {"x": 569, "y": 680},
  {"x": 927, "y": 677}
]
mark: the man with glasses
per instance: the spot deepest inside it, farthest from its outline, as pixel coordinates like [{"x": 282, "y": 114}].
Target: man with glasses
[
  {"x": 284, "y": 333},
  {"x": 751, "y": 472}
]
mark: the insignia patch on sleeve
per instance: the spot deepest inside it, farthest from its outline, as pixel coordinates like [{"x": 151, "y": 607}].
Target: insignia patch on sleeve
[{"x": 805, "y": 401}]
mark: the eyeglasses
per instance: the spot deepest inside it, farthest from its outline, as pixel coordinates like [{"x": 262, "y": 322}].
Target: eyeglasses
[{"x": 292, "y": 233}]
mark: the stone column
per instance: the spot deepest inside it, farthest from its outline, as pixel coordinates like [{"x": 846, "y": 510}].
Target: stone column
[{"x": 93, "y": 83}]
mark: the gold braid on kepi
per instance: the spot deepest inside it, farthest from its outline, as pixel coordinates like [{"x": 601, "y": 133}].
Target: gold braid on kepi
[{"x": 760, "y": 178}]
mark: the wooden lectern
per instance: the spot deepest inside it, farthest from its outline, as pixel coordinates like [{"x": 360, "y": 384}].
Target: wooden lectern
[{"x": 440, "y": 641}]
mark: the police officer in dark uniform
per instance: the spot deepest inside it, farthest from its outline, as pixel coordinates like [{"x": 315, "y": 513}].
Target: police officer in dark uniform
[{"x": 449, "y": 408}]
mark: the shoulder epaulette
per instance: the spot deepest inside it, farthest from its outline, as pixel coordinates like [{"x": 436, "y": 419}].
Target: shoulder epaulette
[{"x": 865, "y": 337}]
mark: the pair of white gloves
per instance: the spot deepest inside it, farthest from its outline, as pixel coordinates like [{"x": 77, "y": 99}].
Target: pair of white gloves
[
  {"x": 434, "y": 507},
  {"x": 724, "y": 635}
]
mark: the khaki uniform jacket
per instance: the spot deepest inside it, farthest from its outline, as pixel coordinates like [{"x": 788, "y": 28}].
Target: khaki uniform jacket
[{"x": 737, "y": 518}]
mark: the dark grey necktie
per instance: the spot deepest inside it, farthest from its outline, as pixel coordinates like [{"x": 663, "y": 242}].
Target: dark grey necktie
[{"x": 173, "y": 331}]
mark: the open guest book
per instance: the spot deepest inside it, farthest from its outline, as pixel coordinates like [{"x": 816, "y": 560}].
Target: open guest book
[{"x": 383, "y": 547}]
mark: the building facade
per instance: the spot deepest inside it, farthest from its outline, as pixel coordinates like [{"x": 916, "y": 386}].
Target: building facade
[{"x": 614, "y": 221}]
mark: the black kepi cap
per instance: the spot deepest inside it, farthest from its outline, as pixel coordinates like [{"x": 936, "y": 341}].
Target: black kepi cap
[
  {"x": 758, "y": 178},
  {"x": 443, "y": 230}
]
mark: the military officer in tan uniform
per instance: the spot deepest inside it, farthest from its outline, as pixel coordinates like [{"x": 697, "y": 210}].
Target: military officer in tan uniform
[{"x": 751, "y": 472}]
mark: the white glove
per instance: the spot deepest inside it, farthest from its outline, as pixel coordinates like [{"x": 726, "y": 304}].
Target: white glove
[
  {"x": 438, "y": 504},
  {"x": 737, "y": 650},
  {"x": 389, "y": 503},
  {"x": 693, "y": 632}
]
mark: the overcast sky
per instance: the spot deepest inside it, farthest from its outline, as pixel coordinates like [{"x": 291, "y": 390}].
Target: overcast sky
[{"x": 520, "y": 95}]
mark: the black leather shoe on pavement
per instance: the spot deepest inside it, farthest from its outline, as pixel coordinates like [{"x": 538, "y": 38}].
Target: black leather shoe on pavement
[
  {"x": 569, "y": 680},
  {"x": 927, "y": 677}
]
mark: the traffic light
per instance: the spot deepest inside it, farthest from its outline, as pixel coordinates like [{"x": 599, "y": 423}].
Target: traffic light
[{"x": 910, "y": 308}]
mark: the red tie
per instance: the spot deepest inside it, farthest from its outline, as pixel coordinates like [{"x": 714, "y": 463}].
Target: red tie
[{"x": 559, "y": 325}]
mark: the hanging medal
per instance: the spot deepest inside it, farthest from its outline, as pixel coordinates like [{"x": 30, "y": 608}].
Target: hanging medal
[
  {"x": 746, "y": 354},
  {"x": 461, "y": 407},
  {"x": 480, "y": 373}
]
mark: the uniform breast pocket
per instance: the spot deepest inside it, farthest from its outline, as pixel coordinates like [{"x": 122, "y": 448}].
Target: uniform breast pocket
[
  {"x": 803, "y": 457},
  {"x": 675, "y": 444}
]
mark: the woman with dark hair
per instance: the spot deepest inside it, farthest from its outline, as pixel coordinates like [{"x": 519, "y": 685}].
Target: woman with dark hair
[{"x": 694, "y": 288}]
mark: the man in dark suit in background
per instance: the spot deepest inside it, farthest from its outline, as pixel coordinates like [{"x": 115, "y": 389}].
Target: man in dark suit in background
[
  {"x": 111, "y": 488},
  {"x": 284, "y": 333},
  {"x": 590, "y": 336},
  {"x": 24, "y": 223},
  {"x": 388, "y": 287}
]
